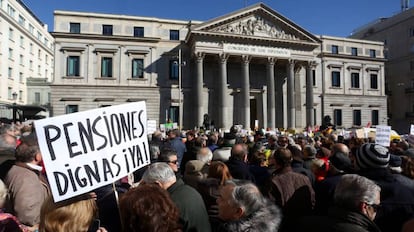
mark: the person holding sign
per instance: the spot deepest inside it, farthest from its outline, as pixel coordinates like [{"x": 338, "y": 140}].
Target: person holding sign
[{"x": 27, "y": 185}]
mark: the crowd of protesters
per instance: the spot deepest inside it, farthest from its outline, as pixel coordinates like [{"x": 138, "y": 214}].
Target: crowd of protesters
[{"x": 235, "y": 181}]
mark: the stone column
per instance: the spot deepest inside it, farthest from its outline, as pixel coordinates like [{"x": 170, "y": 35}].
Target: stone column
[
  {"x": 245, "y": 92},
  {"x": 222, "y": 91},
  {"x": 199, "y": 90},
  {"x": 290, "y": 94},
  {"x": 271, "y": 105},
  {"x": 309, "y": 93}
]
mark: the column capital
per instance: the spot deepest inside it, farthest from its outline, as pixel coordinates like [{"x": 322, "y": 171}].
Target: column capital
[
  {"x": 271, "y": 60},
  {"x": 199, "y": 56},
  {"x": 246, "y": 59},
  {"x": 223, "y": 57},
  {"x": 311, "y": 64}
]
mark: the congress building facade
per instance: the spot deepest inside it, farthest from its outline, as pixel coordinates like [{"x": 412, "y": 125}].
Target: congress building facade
[{"x": 252, "y": 65}]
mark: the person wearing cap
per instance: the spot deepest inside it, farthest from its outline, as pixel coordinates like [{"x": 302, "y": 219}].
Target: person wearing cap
[{"x": 372, "y": 161}]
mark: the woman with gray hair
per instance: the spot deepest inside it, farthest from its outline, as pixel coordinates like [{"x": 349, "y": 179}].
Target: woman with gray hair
[{"x": 243, "y": 208}]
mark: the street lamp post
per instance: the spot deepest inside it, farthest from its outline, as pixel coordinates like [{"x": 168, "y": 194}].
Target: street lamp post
[{"x": 14, "y": 95}]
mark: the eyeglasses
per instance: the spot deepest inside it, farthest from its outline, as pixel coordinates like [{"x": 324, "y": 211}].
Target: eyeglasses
[
  {"x": 173, "y": 162},
  {"x": 375, "y": 207}
]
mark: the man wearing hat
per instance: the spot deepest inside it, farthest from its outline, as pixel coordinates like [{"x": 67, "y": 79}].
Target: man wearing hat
[{"x": 397, "y": 191}]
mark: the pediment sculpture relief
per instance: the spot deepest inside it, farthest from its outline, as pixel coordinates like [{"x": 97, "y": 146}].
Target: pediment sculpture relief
[{"x": 256, "y": 26}]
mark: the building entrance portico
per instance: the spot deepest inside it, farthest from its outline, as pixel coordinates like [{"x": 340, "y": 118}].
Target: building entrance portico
[{"x": 244, "y": 49}]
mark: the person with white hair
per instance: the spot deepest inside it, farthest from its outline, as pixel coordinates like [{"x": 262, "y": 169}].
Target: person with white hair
[
  {"x": 242, "y": 207},
  {"x": 196, "y": 170},
  {"x": 193, "y": 213}
]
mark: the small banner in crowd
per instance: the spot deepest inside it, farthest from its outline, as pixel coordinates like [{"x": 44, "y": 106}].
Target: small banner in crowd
[
  {"x": 86, "y": 150},
  {"x": 383, "y": 135}
]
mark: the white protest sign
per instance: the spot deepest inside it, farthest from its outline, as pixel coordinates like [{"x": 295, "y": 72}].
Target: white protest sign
[
  {"x": 151, "y": 126},
  {"x": 86, "y": 150},
  {"x": 412, "y": 129},
  {"x": 382, "y": 135}
]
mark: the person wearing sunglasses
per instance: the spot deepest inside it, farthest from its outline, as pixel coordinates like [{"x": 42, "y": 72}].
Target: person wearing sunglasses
[{"x": 356, "y": 204}]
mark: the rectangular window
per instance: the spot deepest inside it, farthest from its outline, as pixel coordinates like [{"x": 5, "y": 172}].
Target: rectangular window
[
  {"x": 21, "y": 41},
  {"x": 137, "y": 68},
  {"x": 356, "y": 117},
  {"x": 37, "y": 98},
  {"x": 336, "y": 79},
  {"x": 313, "y": 77},
  {"x": 375, "y": 117},
  {"x": 338, "y": 117},
  {"x": 20, "y": 95},
  {"x": 10, "y": 72},
  {"x": 11, "y": 33},
  {"x": 31, "y": 29},
  {"x": 107, "y": 29},
  {"x": 21, "y": 60},
  {"x": 334, "y": 49},
  {"x": 355, "y": 80},
  {"x": 173, "y": 113},
  {"x": 11, "y": 11},
  {"x": 173, "y": 69},
  {"x": 74, "y": 28},
  {"x": 20, "y": 77},
  {"x": 71, "y": 109},
  {"x": 372, "y": 53},
  {"x": 10, "y": 93},
  {"x": 374, "y": 81},
  {"x": 31, "y": 48},
  {"x": 31, "y": 64},
  {"x": 354, "y": 51},
  {"x": 10, "y": 53},
  {"x": 138, "y": 32},
  {"x": 22, "y": 21},
  {"x": 39, "y": 35},
  {"x": 73, "y": 66},
  {"x": 174, "y": 35},
  {"x": 106, "y": 67}
]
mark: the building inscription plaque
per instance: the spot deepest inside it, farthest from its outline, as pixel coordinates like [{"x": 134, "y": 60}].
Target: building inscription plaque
[{"x": 256, "y": 50}]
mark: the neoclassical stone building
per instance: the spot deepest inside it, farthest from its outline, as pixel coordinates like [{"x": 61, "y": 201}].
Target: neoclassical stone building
[{"x": 250, "y": 66}]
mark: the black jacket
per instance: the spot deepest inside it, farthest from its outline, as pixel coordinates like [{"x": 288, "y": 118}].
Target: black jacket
[{"x": 337, "y": 220}]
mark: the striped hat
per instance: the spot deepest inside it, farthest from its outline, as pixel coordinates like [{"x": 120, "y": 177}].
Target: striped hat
[{"x": 371, "y": 155}]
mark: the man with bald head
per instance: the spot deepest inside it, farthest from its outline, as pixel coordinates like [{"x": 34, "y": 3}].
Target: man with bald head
[
  {"x": 237, "y": 163},
  {"x": 339, "y": 147}
]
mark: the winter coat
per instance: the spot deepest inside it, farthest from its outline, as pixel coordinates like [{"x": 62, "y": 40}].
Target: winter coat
[
  {"x": 239, "y": 170},
  {"x": 267, "y": 219},
  {"x": 337, "y": 220},
  {"x": 292, "y": 192},
  {"x": 193, "y": 213},
  {"x": 397, "y": 201},
  {"x": 28, "y": 190}
]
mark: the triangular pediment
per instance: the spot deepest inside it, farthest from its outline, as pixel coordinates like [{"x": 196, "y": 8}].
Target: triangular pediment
[{"x": 257, "y": 21}]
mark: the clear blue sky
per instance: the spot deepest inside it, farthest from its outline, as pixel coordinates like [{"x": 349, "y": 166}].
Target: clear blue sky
[{"x": 321, "y": 17}]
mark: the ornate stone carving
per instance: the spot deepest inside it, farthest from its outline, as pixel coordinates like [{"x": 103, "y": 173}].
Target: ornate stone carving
[{"x": 256, "y": 26}]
